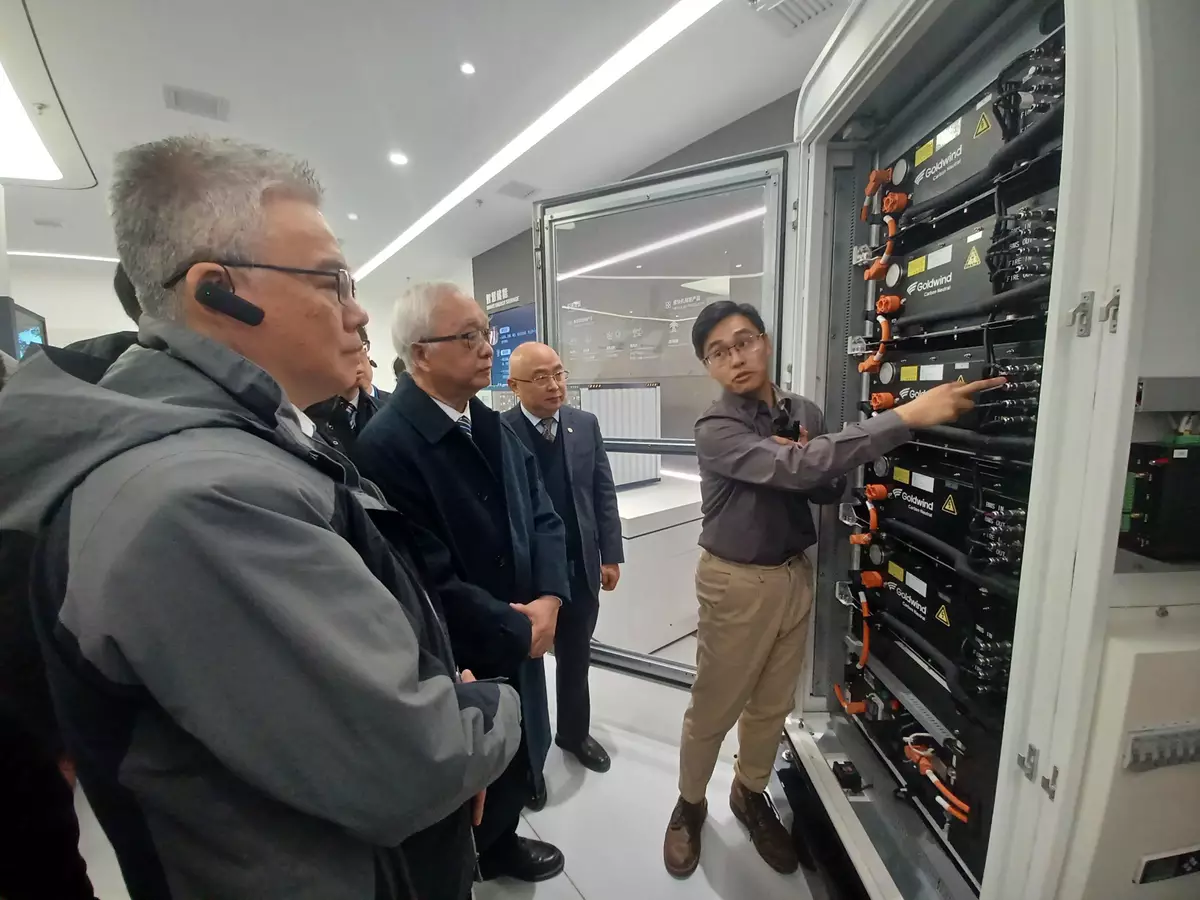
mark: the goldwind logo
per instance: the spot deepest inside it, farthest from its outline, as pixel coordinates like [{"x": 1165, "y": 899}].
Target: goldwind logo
[
  {"x": 911, "y": 603},
  {"x": 936, "y": 170},
  {"x": 931, "y": 284},
  {"x": 913, "y": 500}
]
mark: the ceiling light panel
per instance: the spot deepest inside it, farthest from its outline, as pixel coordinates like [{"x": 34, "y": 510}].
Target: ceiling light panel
[
  {"x": 396, "y": 158},
  {"x": 674, "y": 21},
  {"x": 467, "y": 69},
  {"x": 22, "y": 153}
]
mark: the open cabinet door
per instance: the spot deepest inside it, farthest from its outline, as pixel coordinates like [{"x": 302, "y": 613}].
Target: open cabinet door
[{"x": 621, "y": 274}]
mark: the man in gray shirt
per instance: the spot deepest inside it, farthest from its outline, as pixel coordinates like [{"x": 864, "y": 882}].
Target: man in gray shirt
[{"x": 764, "y": 456}]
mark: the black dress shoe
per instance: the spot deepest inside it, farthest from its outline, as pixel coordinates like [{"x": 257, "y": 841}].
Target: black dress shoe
[
  {"x": 537, "y": 799},
  {"x": 589, "y": 753},
  {"x": 525, "y": 860}
]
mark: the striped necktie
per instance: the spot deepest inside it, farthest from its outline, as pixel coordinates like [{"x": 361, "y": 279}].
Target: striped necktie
[
  {"x": 546, "y": 427},
  {"x": 464, "y": 423}
]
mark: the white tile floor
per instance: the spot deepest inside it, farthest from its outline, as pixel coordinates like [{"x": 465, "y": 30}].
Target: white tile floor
[{"x": 610, "y": 827}]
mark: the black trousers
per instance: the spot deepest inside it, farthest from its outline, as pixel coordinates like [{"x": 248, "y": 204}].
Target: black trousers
[
  {"x": 572, "y": 659},
  {"x": 506, "y": 798}
]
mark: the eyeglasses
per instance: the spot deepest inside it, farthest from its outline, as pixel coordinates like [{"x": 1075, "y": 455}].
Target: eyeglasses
[
  {"x": 545, "y": 380},
  {"x": 346, "y": 289},
  {"x": 471, "y": 338},
  {"x": 750, "y": 343}
]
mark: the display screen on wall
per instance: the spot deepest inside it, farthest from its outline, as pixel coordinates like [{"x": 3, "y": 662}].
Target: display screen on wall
[
  {"x": 510, "y": 328},
  {"x": 29, "y": 329}
]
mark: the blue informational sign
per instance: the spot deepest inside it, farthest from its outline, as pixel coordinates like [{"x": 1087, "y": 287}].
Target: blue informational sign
[
  {"x": 30, "y": 329},
  {"x": 510, "y": 328}
]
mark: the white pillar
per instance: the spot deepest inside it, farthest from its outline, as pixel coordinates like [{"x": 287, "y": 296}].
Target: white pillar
[{"x": 5, "y": 283}]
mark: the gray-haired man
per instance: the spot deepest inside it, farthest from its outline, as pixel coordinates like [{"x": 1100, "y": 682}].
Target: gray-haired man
[{"x": 257, "y": 690}]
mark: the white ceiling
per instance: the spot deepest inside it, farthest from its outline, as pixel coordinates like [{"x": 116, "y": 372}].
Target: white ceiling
[{"x": 342, "y": 84}]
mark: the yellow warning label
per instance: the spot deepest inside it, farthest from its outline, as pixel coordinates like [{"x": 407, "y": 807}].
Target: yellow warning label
[
  {"x": 961, "y": 380},
  {"x": 910, "y": 373},
  {"x": 984, "y": 125},
  {"x": 943, "y": 615},
  {"x": 916, "y": 266},
  {"x": 895, "y": 571},
  {"x": 972, "y": 259},
  {"x": 901, "y": 475},
  {"x": 923, "y": 153},
  {"x": 949, "y": 506}
]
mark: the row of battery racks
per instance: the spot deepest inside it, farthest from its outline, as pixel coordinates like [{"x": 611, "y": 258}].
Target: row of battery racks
[{"x": 958, "y": 281}]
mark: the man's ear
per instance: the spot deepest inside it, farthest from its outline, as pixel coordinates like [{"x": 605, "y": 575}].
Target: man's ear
[{"x": 512, "y": 385}]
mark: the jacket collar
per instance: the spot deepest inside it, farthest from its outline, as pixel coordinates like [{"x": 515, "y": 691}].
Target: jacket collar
[
  {"x": 423, "y": 412},
  {"x": 245, "y": 381}
]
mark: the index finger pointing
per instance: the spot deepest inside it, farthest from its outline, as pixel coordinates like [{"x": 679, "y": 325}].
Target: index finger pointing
[{"x": 985, "y": 384}]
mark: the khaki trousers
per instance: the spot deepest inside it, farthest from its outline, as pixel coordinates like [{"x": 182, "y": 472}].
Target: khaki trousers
[{"x": 752, "y": 636}]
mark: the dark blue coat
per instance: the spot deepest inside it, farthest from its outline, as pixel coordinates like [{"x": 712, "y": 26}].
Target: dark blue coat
[{"x": 485, "y": 529}]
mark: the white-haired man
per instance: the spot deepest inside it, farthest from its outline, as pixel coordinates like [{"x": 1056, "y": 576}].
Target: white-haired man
[
  {"x": 487, "y": 532},
  {"x": 255, "y": 685}
]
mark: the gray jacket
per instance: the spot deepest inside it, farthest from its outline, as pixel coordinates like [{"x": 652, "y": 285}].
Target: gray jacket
[
  {"x": 755, "y": 491},
  {"x": 257, "y": 690}
]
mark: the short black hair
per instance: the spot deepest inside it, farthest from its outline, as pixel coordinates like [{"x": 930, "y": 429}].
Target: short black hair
[
  {"x": 126, "y": 293},
  {"x": 716, "y": 313}
]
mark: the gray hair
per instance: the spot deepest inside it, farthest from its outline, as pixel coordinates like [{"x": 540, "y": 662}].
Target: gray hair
[
  {"x": 412, "y": 316},
  {"x": 187, "y": 199}
]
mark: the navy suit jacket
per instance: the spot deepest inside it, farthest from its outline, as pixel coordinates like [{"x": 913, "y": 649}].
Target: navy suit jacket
[
  {"x": 591, "y": 483},
  {"x": 485, "y": 530}
]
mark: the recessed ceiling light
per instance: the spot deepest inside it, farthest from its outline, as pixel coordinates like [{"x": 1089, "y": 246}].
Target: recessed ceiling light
[
  {"x": 738, "y": 266},
  {"x": 650, "y": 40},
  {"x": 22, "y": 153},
  {"x": 639, "y": 265},
  {"x": 41, "y": 255},
  {"x": 396, "y": 158},
  {"x": 467, "y": 69},
  {"x": 353, "y": 217}
]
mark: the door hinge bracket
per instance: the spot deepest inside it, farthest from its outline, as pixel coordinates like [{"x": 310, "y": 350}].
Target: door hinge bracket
[
  {"x": 1027, "y": 762},
  {"x": 1050, "y": 785},
  {"x": 1081, "y": 314},
  {"x": 1111, "y": 310}
]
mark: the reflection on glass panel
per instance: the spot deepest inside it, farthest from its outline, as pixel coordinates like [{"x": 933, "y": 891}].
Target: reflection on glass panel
[
  {"x": 630, "y": 284},
  {"x": 653, "y": 610}
]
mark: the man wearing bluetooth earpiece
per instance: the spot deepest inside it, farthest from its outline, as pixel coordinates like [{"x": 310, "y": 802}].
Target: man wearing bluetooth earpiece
[
  {"x": 763, "y": 455},
  {"x": 253, "y": 678}
]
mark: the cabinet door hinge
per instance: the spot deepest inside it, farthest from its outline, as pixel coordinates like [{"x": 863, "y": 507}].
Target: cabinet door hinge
[
  {"x": 1111, "y": 309},
  {"x": 1050, "y": 785},
  {"x": 1027, "y": 762},
  {"x": 1081, "y": 314}
]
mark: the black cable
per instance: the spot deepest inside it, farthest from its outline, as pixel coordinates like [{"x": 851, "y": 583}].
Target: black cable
[
  {"x": 1025, "y": 293},
  {"x": 997, "y": 442},
  {"x": 1000, "y": 588}
]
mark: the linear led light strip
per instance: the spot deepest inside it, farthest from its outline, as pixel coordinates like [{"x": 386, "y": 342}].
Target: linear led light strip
[
  {"x": 746, "y": 216},
  {"x": 601, "y": 312},
  {"x": 672, "y": 22}
]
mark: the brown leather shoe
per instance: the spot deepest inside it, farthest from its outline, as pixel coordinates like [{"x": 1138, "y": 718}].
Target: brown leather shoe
[
  {"x": 681, "y": 847},
  {"x": 770, "y": 838}
]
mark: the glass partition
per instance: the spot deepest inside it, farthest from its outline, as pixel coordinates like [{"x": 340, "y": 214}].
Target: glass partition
[{"x": 624, "y": 271}]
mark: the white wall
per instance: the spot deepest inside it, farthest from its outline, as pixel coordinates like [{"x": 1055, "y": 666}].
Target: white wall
[
  {"x": 78, "y": 302},
  {"x": 76, "y": 297}
]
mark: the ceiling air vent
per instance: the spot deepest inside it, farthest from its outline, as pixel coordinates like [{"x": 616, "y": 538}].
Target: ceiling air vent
[
  {"x": 518, "y": 190},
  {"x": 789, "y": 16},
  {"x": 196, "y": 103}
]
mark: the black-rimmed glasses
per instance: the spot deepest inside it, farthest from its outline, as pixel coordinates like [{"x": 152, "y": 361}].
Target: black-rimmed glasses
[{"x": 345, "y": 283}]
